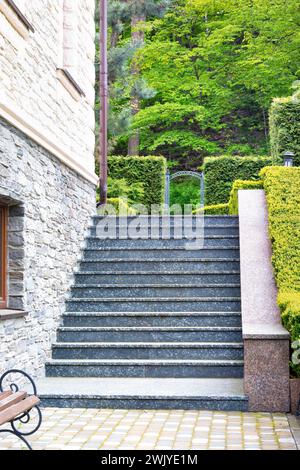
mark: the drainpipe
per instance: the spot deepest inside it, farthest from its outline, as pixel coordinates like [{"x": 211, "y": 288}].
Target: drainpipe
[{"x": 103, "y": 150}]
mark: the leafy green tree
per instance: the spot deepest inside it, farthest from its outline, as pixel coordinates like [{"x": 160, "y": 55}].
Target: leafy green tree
[{"x": 212, "y": 68}]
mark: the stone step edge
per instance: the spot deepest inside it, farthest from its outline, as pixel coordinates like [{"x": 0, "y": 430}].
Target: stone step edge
[
  {"x": 146, "y": 362},
  {"x": 171, "y": 237},
  {"x": 151, "y": 273},
  {"x": 162, "y": 260},
  {"x": 158, "y": 249},
  {"x": 160, "y": 299},
  {"x": 215, "y": 398},
  {"x": 168, "y": 286},
  {"x": 150, "y": 314},
  {"x": 146, "y": 345},
  {"x": 150, "y": 328}
]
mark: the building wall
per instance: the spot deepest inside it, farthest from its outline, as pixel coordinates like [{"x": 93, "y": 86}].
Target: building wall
[
  {"x": 50, "y": 207},
  {"x": 33, "y": 95}
]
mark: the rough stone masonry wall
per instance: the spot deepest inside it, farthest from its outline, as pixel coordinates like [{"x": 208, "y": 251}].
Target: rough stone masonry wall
[{"x": 50, "y": 212}]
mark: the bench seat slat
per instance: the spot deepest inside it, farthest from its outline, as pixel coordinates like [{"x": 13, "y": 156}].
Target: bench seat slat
[
  {"x": 16, "y": 410},
  {"x": 12, "y": 400},
  {"x": 5, "y": 394}
]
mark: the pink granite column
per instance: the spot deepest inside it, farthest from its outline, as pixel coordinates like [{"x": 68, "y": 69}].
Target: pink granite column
[{"x": 266, "y": 341}]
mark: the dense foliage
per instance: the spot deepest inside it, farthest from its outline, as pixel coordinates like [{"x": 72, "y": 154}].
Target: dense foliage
[
  {"x": 285, "y": 127},
  {"x": 233, "y": 208},
  {"x": 215, "y": 209},
  {"x": 283, "y": 197},
  {"x": 185, "y": 190},
  {"x": 207, "y": 73},
  {"x": 148, "y": 171},
  {"x": 221, "y": 172}
]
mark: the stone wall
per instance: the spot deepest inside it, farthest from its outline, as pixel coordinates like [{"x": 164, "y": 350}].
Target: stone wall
[
  {"x": 50, "y": 210},
  {"x": 33, "y": 96}
]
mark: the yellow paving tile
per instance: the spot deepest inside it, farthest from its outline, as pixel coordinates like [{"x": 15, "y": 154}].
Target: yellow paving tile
[{"x": 69, "y": 429}]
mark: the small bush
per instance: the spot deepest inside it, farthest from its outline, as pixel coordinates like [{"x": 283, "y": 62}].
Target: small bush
[
  {"x": 283, "y": 198},
  {"x": 217, "y": 209},
  {"x": 221, "y": 172},
  {"x": 233, "y": 208},
  {"x": 119, "y": 205},
  {"x": 133, "y": 192},
  {"x": 285, "y": 128},
  {"x": 148, "y": 171}
]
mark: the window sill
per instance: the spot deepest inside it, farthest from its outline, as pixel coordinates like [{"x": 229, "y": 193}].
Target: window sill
[
  {"x": 7, "y": 314},
  {"x": 69, "y": 83},
  {"x": 16, "y": 19}
]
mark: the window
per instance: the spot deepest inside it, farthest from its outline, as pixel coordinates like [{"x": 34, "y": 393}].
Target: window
[{"x": 3, "y": 254}]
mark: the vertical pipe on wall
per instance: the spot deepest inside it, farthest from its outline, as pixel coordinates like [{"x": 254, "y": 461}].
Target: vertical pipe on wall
[{"x": 103, "y": 102}]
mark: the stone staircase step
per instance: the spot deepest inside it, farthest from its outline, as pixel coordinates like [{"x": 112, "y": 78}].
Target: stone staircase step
[
  {"x": 168, "y": 234},
  {"x": 155, "y": 291},
  {"x": 151, "y": 334},
  {"x": 130, "y": 319},
  {"x": 180, "y": 350},
  {"x": 145, "y": 368},
  {"x": 184, "y": 279},
  {"x": 218, "y": 241},
  {"x": 161, "y": 265},
  {"x": 135, "y": 254},
  {"x": 147, "y": 304},
  {"x": 208, "y": 221},
  {"x": 143, "y": 393}
]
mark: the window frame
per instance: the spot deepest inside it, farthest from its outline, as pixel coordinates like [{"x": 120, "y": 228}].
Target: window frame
[{"x": 3, "y": 254}]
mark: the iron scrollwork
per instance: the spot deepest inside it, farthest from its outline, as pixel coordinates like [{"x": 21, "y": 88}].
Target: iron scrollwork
[{"x": 27, "y": 416}]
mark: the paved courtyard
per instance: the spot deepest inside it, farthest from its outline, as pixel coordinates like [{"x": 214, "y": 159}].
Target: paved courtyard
[{"x": 74, "y": 429}]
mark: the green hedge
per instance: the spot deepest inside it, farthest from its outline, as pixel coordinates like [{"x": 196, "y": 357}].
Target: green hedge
[
  {"x": 237, "y": 185},
  {"x": 221, "y": 172},
  {"x": 216, "y": 209},
  {"x": 121, "y": 207},
  {"x": 285, "y": 128},
  {"x": 151, "y": 171},
  {"x": 283, "y": 198}
]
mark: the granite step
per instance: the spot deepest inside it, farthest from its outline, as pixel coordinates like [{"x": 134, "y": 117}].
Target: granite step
[
  {"x": 147, "y": 304},
  {"x": 130, "y": 319},
  {"x": 143, "y": 393},
  {"x": 155, "y": 291},
  {"x": 162, "y": 265},
  {"x": 150, "y": 334},
  {"x": 184, "y": 279},
  {"x": 144, "y": 350},
  {"x": 218, "y": 241},
  {"x": 179, "y": 253},
  {"x": 208, "y": 221},
  {"x": 145, "y": 368},
  {"x": 156, "y": 232}
]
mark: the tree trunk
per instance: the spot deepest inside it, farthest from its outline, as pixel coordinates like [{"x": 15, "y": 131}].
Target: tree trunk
[{"x": 137, "y": 36}]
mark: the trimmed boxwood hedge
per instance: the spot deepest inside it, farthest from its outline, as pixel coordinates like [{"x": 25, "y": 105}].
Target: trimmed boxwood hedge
[
  {"x": 119, "y": 205},
  {"x": 283, "y": 198},
  {"x": 216, "y": 209},
  {"x": 221, "y": 172},
  {"x": 285, "y": 128},
  {"x": 233, "y": 208},
  {"x": 151, "y": 171}
]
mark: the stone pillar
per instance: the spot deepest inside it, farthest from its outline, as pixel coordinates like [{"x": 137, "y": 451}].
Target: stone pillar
[{"x": 266, "y": 341}]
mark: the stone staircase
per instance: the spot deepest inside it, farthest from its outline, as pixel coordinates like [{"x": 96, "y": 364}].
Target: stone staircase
[{"x": 153, "y": 311}]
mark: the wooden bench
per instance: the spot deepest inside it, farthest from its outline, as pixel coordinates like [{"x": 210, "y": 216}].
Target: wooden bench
[{"x": 16, "y": 405}]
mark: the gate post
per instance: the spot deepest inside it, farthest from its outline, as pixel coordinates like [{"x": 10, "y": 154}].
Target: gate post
[
  {"x": 167, "y": 189},
  {"x": 202, "y": 189}
]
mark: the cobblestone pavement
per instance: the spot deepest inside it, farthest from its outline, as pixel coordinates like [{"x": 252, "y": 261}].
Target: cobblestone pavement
[{"x": 73, "y": 429}]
